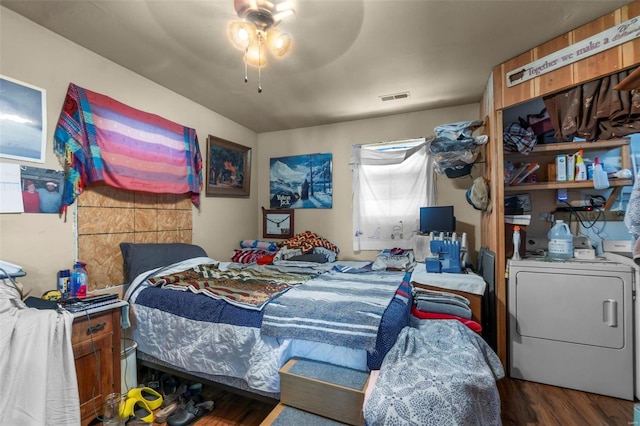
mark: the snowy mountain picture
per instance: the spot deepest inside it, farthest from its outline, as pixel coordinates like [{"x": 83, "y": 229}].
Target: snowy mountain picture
[{"x": 301, "y": 182}]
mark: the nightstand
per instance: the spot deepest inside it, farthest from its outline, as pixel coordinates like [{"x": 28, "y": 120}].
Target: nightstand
[{"x": 96, "y": 348}]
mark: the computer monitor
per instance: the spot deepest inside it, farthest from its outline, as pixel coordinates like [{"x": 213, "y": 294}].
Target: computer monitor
[{"x": 437, "y": 219}]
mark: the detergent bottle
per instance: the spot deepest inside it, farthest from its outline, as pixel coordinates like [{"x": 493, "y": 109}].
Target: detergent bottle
[
  {"x": 516, "y": 243},
  {"x": 600, "y": 178},
  {"x": 581, "y": 169},
  {"x": 560, "y": 241}
]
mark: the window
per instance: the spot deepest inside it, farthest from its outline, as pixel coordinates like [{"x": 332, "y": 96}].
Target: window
[{"x": 390, "y": 182}]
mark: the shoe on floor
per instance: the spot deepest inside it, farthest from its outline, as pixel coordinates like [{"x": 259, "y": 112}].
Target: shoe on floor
[
  {"x": 168, "y": 385},
  {"x": 163, "y": 414},
  {"x": 190, "y": 413},
  {"x": 137, "y": 408},
  {"x": 152, "y": 398}
]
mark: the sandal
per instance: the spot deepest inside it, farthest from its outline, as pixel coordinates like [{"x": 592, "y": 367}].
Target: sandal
[
  {"x": 150, "y": 396},
  {"x": 163, "y": 414},
  {"x": 138, "y": 408},
  {"x": 190, "y": 413},
  {"x": 193, "y": 391},
  {"x": 168, "y": 385}
]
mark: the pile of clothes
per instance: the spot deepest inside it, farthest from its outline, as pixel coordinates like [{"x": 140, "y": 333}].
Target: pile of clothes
[
  {"x": 432, "y": 304},
  {"x": 454, "y": 149}
]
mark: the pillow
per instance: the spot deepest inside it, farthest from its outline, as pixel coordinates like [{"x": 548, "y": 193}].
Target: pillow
[
  {"x": 248, "y": 255},
  {"x": 310, "y": 257},
  {"x": 139, "y": 258},
  {"x": 264, "y": 245}
]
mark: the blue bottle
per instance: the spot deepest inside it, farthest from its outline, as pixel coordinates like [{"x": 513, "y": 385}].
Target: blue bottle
[
  {"x": 79, "y": 280},
  {"x": 64, "y": 283}
]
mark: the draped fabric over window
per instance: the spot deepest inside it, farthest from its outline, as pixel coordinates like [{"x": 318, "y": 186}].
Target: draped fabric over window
[{"x": 390, "y": 182}]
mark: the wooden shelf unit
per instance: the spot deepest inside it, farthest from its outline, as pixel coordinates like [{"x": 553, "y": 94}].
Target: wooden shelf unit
[
  {"x": 499, "y": 96},
  {"x": 546, "y": 153}
]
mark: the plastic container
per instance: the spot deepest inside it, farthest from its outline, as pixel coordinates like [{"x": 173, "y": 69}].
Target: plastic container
[
  {"x": 128, "y": 368},
  {"x": 64, "y": 283},
  {"x": 581, "y": 169},
  {"x": 560, "y": 241},
  {"x": 79, "y": 280},
  {"x": 600, "y": 179},
  {"x": 516, "y": 243}
]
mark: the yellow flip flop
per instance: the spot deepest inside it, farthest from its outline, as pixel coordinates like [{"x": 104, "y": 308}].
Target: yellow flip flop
[
  {"x": 137, "y": 408},
  {"x": 148, "y": 395}
]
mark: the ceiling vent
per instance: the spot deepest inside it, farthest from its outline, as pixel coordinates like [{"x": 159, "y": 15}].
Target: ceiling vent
[{"x": 394, "y": 97}]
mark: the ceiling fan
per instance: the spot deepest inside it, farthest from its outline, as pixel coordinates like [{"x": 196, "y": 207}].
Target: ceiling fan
[{"x": 256, "y": 31}]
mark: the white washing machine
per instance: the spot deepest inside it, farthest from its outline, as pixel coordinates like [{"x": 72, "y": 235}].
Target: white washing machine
[{"x": 571, "y": 324}]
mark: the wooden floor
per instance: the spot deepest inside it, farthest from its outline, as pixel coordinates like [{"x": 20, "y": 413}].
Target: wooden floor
[{"x": 523, "y": 403}]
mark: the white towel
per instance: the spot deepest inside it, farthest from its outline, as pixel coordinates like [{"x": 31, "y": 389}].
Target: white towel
[{"x": 39, "y": 384}]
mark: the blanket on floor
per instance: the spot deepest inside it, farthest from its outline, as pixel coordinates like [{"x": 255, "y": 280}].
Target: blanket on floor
[
  {"x": 102, "y": 139},
  {"x": 338, "y": 308},
  {"x": 438, "y": 374}
]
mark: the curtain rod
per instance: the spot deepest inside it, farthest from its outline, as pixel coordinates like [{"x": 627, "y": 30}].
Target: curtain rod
[{"x": 391, "y": 142}]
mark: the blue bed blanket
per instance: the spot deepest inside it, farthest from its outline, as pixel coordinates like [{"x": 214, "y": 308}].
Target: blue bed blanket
[
  {"x": 336, "y": 307},
  {"x": 394, "y": 316}
]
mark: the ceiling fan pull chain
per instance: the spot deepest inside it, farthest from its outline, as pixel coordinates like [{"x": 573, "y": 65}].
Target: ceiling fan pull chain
[
  {"x": 246, "y": 77},
  {"x": 259, "y": 73}
]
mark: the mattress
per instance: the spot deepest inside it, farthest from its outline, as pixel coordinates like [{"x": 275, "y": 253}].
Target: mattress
[{"x": 210, "y": 337}]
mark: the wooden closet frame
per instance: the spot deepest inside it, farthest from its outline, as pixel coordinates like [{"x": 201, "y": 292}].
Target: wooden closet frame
[{"x": 498, "y": 96}]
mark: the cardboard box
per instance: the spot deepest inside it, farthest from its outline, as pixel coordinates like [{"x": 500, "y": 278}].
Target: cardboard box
[
  {"x": 551, "y": 172},
  {"x": 561, "y": 168}
]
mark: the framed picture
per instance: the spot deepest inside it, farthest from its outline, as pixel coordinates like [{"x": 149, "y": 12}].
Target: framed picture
[
  {"x": 301, "y": 182},
  {"x": 277, "y": 223},
  {"x": 23, "y": 131},
  {"x": 41, "y": 189},
  {"x": 228, "y": 169}
]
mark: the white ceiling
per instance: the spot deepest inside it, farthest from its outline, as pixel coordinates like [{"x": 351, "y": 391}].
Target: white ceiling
[{"x": 346, "y": 53}]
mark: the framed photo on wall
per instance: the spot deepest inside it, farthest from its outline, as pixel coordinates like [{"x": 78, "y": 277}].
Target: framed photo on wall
[
  {"x": 301, "y": 182},
  {"x": 23, "y": 129},
  {"x": 277, "y": 223},
  {"x": 228, "y": 168}
]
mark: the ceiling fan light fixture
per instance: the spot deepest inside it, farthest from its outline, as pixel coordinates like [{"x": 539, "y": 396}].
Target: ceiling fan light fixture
[
  {"x": 256, "y": 32},
  {"x": 241, "y": 33},
  {"x": 256, "y": 53},
  {"x": 278, "y": 42}
]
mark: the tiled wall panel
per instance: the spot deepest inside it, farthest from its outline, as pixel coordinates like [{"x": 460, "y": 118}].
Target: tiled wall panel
[{"x": 110, "y": 216}]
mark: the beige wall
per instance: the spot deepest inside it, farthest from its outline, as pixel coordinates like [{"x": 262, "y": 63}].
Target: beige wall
[
  {"x": 335, "y": 224},
  {"x": 44, "y": 244}
]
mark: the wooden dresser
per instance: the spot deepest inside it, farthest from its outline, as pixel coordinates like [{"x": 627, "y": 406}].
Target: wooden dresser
[{"x": 96, "y": 348}]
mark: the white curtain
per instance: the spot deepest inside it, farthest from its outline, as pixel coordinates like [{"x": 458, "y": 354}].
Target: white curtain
[{"x": 391, "y": 181}]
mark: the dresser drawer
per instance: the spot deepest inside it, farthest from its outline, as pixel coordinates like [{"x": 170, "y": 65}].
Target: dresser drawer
[{"x": 95, "y": 326}]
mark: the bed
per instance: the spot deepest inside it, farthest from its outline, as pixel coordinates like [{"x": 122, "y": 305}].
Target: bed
[{"x": 238, "y": 324}]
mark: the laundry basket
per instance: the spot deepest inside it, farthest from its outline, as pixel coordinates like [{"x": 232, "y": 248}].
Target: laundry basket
[{"x": 128, "y": 368}]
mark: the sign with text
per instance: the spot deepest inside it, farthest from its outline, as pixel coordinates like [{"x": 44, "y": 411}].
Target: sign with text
[{"x": 600, "y": 42}]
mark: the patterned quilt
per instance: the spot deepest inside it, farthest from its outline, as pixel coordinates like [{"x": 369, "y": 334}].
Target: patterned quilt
[{"x": 246, "y": 288}]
